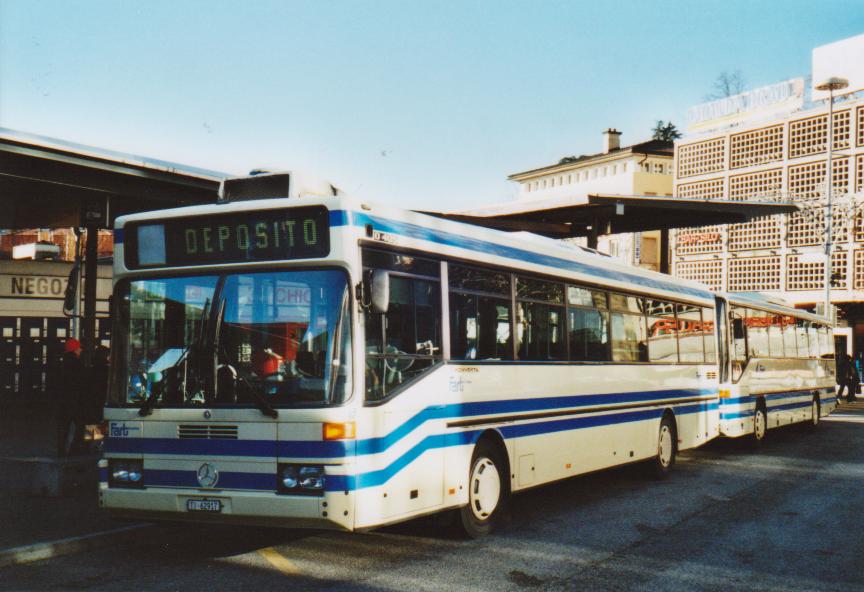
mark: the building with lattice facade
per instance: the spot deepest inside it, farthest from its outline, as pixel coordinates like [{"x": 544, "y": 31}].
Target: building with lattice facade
[{"x": 781, "y": 158}]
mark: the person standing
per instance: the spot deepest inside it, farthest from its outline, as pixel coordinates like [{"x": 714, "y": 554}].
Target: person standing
[
  {"x": 70, "y": 428},
  {"x": 847, "y": 377}
]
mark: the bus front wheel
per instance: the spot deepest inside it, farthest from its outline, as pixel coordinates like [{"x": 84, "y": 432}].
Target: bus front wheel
[{"x": 488, "y": 489}]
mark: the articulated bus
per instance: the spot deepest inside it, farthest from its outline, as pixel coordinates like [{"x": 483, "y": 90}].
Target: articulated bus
[{"x": 320, "y": 361}]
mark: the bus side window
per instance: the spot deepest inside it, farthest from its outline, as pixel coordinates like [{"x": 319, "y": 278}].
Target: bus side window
[
  {"x": 708, "y": 332},
  {"x": 480, "y": 314},
  {"x": 405, "y": 341}
]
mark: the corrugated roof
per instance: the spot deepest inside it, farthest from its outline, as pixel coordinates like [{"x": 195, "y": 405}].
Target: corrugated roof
[{"x": 104, "y": 154}]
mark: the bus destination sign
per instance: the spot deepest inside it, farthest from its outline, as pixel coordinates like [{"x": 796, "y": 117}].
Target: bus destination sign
[{"x": 262, "y": 235}]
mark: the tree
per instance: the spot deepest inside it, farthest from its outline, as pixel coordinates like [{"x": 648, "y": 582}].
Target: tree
[
  {"x": 665, "y": 131},
  {"x": 727, "y": 84}
]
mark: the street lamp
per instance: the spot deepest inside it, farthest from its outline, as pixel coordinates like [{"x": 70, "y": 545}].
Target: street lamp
[{"x": 830, "y": 84}]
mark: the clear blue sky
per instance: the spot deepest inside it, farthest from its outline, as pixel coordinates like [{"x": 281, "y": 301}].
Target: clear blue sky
[{"x": 423, "y": 104}]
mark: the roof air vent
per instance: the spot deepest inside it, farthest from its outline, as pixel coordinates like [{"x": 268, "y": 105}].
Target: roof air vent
[{"x": 265, "y": 184}]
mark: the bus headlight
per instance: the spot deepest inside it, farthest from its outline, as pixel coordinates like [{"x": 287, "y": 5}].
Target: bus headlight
[
  {"x": 312, "y": 477},
  {"x": 288, "y": 477},
  {"x": 301, "y": 479},
  {"x": 125, "y": 473}
]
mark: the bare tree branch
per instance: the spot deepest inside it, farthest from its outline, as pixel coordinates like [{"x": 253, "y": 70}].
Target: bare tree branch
[{"x": 727, "y": 84}]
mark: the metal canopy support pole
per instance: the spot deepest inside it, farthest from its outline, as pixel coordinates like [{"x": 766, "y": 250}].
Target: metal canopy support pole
[
  {"x": 88, "y": 325},
  {"x": 664, "y": 251},
  {"x": 593, "y": 233},
  {"x": 831, "y": 84},
  {"x": 93, "y": 217},
  {"x": 829, "y": 194},
  {"x": 76, "y": 308}
]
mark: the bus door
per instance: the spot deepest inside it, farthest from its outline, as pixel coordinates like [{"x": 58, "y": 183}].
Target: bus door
[
  {"x": 403, "y": 350},
  {"x": 738, "y": 352}
]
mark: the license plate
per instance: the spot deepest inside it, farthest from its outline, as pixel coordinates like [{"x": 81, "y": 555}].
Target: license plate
[{"x": 203, "y": 505}]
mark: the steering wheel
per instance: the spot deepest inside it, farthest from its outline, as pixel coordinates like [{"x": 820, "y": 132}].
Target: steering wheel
[{"x": 400, "y": 362}]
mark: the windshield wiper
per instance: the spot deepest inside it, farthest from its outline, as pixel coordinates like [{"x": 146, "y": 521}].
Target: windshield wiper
[
  {"x": 336, "y": 359},
  {"x": 148, "y": 405},
  {"x": 261, "y": 402}
]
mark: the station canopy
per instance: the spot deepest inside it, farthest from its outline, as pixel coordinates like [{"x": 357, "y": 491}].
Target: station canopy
[
  {"x": 50, "y": 183},
  {"x": 613, "y": 214}
]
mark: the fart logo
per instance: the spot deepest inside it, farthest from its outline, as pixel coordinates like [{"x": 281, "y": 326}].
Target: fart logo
[{"x": 121, "y": 430}]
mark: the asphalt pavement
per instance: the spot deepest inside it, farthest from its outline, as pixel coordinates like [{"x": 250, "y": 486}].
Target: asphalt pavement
[
  {"x": 36, "y": 523},
  {"x": 789, "y": 516}
]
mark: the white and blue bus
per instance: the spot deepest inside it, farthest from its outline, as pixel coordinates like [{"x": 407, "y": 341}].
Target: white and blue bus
[
  {"x": 315, "y": 360},
  {"x": 779, "y": 368}
]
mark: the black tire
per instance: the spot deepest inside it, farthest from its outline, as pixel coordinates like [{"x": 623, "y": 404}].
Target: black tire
[
  {"x": 760, "y": 425},
  {"x": 488, "y": 492},
  {"x": 816, "y": 409},
  {"x": 667, "y": 448}
]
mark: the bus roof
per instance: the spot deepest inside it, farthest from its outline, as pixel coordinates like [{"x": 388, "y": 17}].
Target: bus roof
[
  {"x": 419, "y": 231},
  {"x": 771, "y": 303}
]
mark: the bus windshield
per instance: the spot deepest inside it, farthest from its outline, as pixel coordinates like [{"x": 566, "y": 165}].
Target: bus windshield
[{"x": 271, "y": 338}]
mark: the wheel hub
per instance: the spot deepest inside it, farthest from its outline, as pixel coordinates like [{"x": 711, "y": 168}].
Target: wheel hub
[
  {"x": 759, "y": 428},
  {"x": 665, "y": 447},
  {"x": 485, "y": 488}
]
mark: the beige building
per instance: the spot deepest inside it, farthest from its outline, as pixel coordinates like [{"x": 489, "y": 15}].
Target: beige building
[{"x": 640, "y": 169}]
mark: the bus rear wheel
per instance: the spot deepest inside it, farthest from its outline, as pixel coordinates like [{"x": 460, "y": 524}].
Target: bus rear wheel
[
  {"x": 488, "y": 491},
  {"x": 667, "y": 448},
  {"x": 760, "y": 425}
]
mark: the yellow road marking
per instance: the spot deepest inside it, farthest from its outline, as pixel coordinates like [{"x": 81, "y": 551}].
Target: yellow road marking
[{"x": 279, "y": 561}]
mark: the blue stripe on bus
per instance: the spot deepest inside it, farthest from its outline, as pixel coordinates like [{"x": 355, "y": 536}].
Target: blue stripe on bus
[
  {"x": 336, "y": 449},
  {"x": 771, "y": 407},
  {"x": 266, "y": 482},
  {"x": 465, "y": 410},
  {"x": 381, "y": 476},
  {"x": 189, "y": 447}
]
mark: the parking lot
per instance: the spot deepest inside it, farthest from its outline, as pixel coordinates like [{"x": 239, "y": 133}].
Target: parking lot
[{"x": 786, "y": 517}]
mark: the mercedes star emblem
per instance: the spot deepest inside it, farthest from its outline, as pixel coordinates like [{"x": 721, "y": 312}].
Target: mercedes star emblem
[{"x": 207, "y": 475}]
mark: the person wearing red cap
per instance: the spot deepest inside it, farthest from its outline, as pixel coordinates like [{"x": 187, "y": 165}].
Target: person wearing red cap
[{"x": 70, "y": 428}]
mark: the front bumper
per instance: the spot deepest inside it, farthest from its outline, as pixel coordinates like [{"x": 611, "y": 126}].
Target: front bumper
[{"x": 332, "y": 511}]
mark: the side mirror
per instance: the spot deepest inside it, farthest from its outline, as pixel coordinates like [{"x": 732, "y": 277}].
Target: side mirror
[
  {"x": 379, "y": 291},
  {"x": 71, "y": 290},
  {"x": 738, "y": 328}
]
